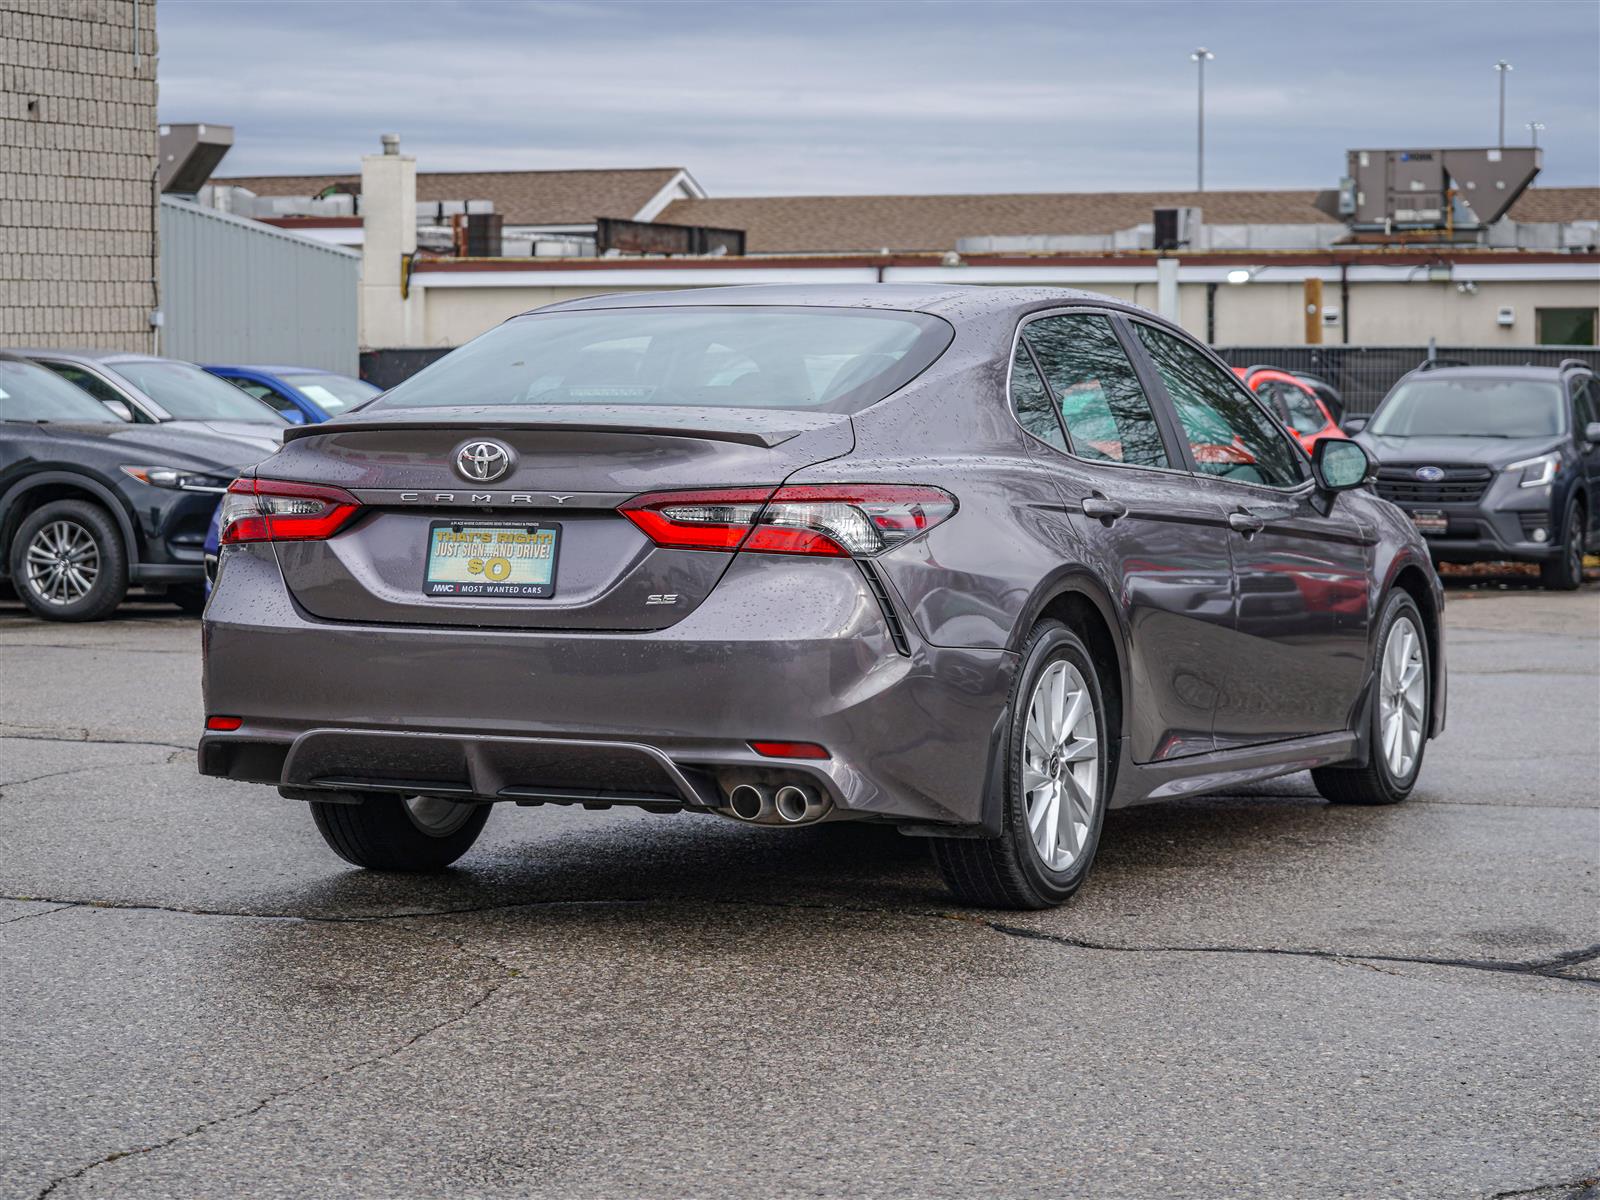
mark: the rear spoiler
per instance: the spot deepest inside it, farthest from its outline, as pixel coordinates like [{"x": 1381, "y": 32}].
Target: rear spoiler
[{"x": 748, "y": 427}]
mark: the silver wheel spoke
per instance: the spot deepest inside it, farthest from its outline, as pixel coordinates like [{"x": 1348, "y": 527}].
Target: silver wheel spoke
[
  {"x": 1402, "y": 698},
  {"x": 1061, "y": 765}
]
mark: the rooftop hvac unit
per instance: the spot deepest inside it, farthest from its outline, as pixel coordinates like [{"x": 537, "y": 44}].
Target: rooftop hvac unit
[
  {"x": 190, "y": 154},
  {"x": 1465, "y": 189},
  {"x": 1175, "y": 227}
]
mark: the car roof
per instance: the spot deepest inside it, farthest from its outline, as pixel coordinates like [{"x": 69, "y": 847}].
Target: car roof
[
  {"x": 84, "y": 355},
  {"x": 268, "y": 370},
  {"x": 950, "y": 300},
  {"x": 1524, "y": 371}
]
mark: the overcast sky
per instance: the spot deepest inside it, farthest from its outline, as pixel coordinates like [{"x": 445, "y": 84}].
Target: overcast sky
[{"x": 861, "y": 96}]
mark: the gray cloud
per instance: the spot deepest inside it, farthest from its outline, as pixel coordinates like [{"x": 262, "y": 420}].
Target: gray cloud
[{"x": 874, "y": 97}]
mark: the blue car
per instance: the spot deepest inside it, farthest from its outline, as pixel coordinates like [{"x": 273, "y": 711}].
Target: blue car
[{"x": 301, "y": 395}]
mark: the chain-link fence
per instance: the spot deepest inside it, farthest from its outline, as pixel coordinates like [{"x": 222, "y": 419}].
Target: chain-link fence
[{"x": 1364, "y": 374}]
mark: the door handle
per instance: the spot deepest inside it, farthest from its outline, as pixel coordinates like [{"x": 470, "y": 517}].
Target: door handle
[
  {"x": 1245, "y": 523},
  {"x": 1103, "y": 509}
]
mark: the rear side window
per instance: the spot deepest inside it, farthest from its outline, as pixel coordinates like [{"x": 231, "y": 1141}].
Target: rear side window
[
  {"x": 1035, "y": 410},
  {"x": 826, "y": 359},
  {"x": 1106, "y": 412},
  {"x": 1229, "y": 434}
]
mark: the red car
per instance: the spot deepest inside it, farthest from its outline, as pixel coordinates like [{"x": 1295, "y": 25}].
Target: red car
[{"x": 1293, "y": 401}]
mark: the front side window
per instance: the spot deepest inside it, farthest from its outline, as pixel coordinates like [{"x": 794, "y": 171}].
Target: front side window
[
  {"x": 1035, "y": 410},
  {"x": 1300, "y": 411},
  {"x": 1106, "y": 412},
  {"x": 30, "y": 393},
  {"x": 1229, "y": 434},
  {"x": 821, "y": 359},
  {"x": 96, "y": 387},
  {"x": 263, "y": 393}
]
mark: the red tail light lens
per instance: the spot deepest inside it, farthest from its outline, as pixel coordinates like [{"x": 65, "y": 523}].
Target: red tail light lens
[
  {"x": 830, "y": 520},
  {"x": 267, "y": 510},
  {"x": 789, "y": 750},
  {"x": 224, "y": 724}
]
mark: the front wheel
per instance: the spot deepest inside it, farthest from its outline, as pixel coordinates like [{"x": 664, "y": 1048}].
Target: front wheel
[
  {"x": 1056, "y": 783},
  {"x": 1565, "y": 573},
  {"x": 1401, "y": 715},
  {"x": 68, "y": 562},
  {"x": 399, "y": 833}
]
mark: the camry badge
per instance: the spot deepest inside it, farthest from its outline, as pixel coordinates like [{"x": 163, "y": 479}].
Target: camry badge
[
  {"x": 1430, "y": 474},
  {"x": 483, "y": 462}
]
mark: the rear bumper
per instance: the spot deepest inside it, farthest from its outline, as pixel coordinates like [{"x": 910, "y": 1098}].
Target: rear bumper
[{"x": 790, "y": 650}]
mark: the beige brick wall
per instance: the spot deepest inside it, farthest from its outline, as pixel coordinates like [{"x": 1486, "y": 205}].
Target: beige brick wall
[{"x": 77, "y": 154}]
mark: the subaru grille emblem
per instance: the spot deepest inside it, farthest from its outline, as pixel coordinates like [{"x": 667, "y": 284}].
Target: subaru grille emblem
[
  {"x": 483, "y": 462},
  {"x": 1430, "y": 474}
]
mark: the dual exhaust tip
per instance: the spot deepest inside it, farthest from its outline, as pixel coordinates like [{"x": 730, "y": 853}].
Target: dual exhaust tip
[{"x": 791, "y": 804}]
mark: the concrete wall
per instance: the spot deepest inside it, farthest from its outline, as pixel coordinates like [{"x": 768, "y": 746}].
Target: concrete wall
[
  {"x": 237, "y": 291},
  {"x": 1398, "y": 313},
  {"x": 77, "y": 157}
]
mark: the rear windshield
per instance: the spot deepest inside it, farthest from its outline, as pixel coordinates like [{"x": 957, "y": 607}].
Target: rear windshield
[
  {"x": 190, "y": 394},
  {"x": 828, "y": 359},
  {"x": 30, "y": 393},
  {"x": 1500, "y": 408}
]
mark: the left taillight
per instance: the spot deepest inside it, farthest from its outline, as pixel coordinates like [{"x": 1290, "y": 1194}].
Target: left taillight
[
  {"x": 267, "y": 510},
  {"x": 827, "y": 520}
]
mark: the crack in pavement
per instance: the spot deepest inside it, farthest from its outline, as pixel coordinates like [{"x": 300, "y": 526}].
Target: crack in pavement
[
  {"x": 284, "y": 1093},
  {"x": 27, "y": 916},
  {"x": 83, "y": 738},
  {"x": 1587, "y": 1188},
  {"x": 1549, "y": 967}
]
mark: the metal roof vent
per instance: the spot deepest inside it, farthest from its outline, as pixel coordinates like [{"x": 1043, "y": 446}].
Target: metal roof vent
[{"x": 190, "y": 154}]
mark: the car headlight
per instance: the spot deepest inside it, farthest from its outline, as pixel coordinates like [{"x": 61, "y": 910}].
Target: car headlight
[
  {"x": 1536, "y": 472},
  {"x": 182, "y": 481}
]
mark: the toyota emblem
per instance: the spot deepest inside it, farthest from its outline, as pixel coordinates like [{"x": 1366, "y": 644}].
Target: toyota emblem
[
  {"x": 1430, "y": 474},
  {"x": 483, "y": 462}
]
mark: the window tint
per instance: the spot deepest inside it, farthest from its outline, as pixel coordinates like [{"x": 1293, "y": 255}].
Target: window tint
[
  {"x": 1229, "y": 434},
  {"x": 1105, "y": 410},
  {"x": 1032, "y": 402}
]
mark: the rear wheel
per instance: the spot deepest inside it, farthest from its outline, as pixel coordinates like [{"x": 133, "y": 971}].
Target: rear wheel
[
  {"x": 400, "y": 833},
  {"x": 1400, "y": 715},
  {"x": 1056, "y": 783},
  {"x": 1565, "y": 573},
  {"x": 68, "y": 562}
]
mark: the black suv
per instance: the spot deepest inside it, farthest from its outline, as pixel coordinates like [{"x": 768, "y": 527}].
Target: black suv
[{"x": 1494, "y": 463}]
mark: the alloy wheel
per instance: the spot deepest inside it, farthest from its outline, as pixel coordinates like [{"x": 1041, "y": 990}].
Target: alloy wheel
[
  {"x": 1061, "y": 765},
  {"x": 62, "y": 562},
  {"x": 437, "y": 817},
  {"x": 1402, "y": 691}
]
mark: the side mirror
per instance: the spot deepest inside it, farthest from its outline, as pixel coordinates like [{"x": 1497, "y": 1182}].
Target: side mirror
[
  {"x": 119, "y": 409},
  {"x": 1591, "y": 432},
  {"x": 1340, "y": 464},
  {"x": 293, "y": 415},
  {"x": 1354, "y": 424}
]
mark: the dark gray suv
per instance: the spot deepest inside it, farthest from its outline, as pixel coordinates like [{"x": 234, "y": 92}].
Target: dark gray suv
[
  {"x": 1494, "y": 463},
  {"x": 979, "y": 563}
]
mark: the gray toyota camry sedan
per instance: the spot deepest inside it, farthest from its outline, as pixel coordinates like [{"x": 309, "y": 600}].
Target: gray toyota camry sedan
[{"x": 979, "y": 563}]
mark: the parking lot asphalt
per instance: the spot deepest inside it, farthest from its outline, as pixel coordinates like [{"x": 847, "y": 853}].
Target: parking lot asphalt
[{"x": 1256, "y": 994}]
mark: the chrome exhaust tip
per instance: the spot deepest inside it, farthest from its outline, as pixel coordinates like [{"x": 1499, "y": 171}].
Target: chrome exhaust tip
[
  {"x": 750, "y": 802},
  {"x": 798, "y": 805}
]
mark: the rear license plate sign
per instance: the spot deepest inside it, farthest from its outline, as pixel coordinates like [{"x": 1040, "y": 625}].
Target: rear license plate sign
[
  {"x": 1430, "y": 523},
  {"x": 474, "y": 560}
]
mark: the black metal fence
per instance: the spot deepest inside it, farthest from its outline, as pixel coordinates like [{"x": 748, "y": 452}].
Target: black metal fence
[{"x": 1364, "y": 374}]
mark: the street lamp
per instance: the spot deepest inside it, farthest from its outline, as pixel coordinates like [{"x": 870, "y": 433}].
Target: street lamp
[
  {"x": 1501, "y": 68},
  {"x": 1200, "y": 57},
  {"x": 1534, "y": 127}
]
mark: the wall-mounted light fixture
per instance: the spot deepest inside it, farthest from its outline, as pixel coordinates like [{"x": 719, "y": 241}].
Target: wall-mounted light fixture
[{"x": 1244, "y": 274}]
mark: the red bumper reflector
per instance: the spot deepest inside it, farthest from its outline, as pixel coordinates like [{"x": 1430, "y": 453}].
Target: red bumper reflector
[
  {"x": 224, "y": 724},
  {"x": 788, "y": 750}
]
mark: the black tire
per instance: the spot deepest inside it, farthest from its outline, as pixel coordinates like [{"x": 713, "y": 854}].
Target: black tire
[
  {"x": 1565, "y": 572},
  {"x": 381, "y": 834},
  {"x": 1376, "y": 783},
  {"x": 1009, "y": 871},
  {"x": 190, "y": 597},
  {"x": 110, "y": 582}
]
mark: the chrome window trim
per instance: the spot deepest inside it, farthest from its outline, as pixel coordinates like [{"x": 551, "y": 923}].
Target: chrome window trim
[
  {"x": 1217, "y": 360},
  {"x": 1011, "y": 361}
]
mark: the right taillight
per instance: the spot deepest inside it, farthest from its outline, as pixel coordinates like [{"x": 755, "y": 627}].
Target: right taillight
[
  {"x": 267, "y": 510},
  {"x": 830, "y": 520}
]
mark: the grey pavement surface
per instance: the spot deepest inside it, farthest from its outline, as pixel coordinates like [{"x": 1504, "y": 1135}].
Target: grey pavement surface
[{"x": 1256, "y": 994}]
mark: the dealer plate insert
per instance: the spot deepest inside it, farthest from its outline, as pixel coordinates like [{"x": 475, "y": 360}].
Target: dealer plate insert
[{"x": 504, "y": 560}]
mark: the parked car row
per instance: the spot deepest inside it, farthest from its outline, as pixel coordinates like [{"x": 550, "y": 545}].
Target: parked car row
[{"x": 112, "y": 467}]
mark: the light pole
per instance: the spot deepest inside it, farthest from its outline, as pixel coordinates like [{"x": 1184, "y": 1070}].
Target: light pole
[
  {"x": 1200, "y": 57},
  {"x": 1534, "y": 127},
  {"x": 1501, "y": 68}
]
